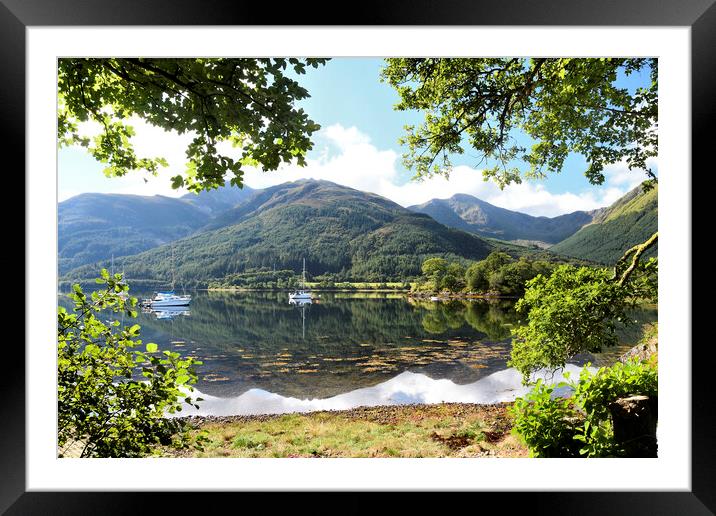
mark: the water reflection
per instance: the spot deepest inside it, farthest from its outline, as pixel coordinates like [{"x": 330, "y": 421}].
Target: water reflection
[
  {"x": 302, "y": 303},
  {"x": 251, "y": 340},
  {"x": 167, "y": 312},
  {"x": 494, "y": 319},
  {"x": 406, "y": 388}
]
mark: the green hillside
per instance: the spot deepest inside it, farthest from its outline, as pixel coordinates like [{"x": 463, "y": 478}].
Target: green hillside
[
  {"x": 629, "y": 221},
  {"x": 93, "y": 227},
  {"x": 339, "y": 230}
]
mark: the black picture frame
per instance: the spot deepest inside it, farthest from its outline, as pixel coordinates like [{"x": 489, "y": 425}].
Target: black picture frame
[{"x": 699, "y": 15}]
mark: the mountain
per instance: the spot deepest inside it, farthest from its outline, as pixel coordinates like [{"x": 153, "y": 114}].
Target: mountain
[
  {"x": 462, "y": 211},
  {"x": 93, "y": 227},
  {"x": 337, "y": 229},
  {"x": 217, "y": 200},
  {"x": 629, "y": 221}
]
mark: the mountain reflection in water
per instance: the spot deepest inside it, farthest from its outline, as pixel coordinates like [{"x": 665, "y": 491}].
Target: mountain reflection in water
[{"x": 340, "y": 343}]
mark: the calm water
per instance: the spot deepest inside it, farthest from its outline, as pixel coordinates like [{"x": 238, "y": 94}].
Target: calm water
[{"x": 262, "y": 354}]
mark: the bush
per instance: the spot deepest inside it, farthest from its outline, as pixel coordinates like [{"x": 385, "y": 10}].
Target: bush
[
  {"x": 547, "y": 424},
  {"x": 582, "y": 424},
  {"x": 112, "y": 397}
]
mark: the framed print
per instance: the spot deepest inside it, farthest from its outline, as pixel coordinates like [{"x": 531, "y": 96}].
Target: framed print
[{"x": 37, "y": 35}]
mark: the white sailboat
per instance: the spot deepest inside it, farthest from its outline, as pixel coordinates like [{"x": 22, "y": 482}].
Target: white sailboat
[
  {"x": 302, "y": 294},
  {"x": 168, "y": 297}
]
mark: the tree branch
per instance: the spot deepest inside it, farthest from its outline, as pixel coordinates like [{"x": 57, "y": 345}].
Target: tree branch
[{"x": 637, "y": 251}]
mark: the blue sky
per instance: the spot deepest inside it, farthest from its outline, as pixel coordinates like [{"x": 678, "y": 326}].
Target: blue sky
[{"x": 358, "y": 146}]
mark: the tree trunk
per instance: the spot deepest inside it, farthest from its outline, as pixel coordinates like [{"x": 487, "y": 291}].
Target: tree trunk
[{"x": 635, "y": 420}]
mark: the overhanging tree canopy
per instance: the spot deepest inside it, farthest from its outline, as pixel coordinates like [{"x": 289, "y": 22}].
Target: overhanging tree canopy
[
  {"x": 564, "y": 105},
  {"x": 250, "y": 102}
]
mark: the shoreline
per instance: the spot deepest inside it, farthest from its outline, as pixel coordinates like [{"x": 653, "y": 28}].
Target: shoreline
[
  {"x": 442, "y": 296},
  {"x": 457, "y": 296},
  {"x": 362, "y": 410},
  {"x": 245, "y": 289}
]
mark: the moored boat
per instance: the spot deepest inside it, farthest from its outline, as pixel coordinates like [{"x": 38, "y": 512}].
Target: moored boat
[
  {"x": 169, "y": 298},
  {"x": 301, "y": 294}
]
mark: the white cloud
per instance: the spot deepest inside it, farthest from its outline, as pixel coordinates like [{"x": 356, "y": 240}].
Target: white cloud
[
  {"x": 149, "y": 142},
  {"x": 618, "y": 174},
  {"x": 345, "y": 155}
]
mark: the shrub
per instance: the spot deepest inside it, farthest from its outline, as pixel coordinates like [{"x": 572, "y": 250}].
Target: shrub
[
  {"x": 581, "y": 424},
  {"x": 112, "y": 397},
  {"x": 547, "y": 424}
]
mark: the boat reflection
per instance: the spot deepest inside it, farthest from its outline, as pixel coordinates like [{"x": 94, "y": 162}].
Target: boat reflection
[
  {"x": 168, "y": 312},
  {"x": 302, "y": 302}
]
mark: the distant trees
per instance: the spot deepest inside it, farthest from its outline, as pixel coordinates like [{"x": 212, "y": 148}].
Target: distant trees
[
  {"x": 480, "y": 274},
  {"x": 434, "y": 270},
  {"x": 498, "y": 273},
  {"x": 247, "y": 102}
]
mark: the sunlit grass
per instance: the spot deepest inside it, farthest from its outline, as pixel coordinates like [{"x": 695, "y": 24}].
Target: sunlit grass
[{"x": 448, "y": 430}]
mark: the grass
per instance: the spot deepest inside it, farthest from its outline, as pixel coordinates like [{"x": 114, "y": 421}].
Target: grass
[{"x": 444, "y": 430}]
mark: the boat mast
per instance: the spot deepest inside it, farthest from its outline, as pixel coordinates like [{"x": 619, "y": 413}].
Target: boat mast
[
  {"x": 303, "y": 285},
  {"x": 172, "y": 267}
]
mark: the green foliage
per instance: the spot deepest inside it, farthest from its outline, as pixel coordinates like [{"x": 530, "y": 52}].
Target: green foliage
[
  {"x": 573, "y": 310},
  {"x": 112, "y": 397},
  {"x": 553, "y": 426},
  {"x": 248, "y": 102},
  {"x": 260, "y": 278},
  {"x": 498, "y": 273},
  {"x": 596, "y": 391},
  {"x": 434, "y": 270},
  {"x": 477, "y": 277},
  {"x": 563, "y": 104},
  {"x": 546, "y": 423},
  {"x": 454, "y": 279}
]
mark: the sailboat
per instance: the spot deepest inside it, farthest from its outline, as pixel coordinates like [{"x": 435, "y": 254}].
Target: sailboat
[
  {"x": 168, "y": 297},
  {"x": 301, "y": 294}
]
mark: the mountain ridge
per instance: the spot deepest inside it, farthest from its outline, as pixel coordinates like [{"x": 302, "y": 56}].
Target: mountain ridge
[
  {"x": 94, "y": 226},
  {"x": 469, "y": 213}
]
